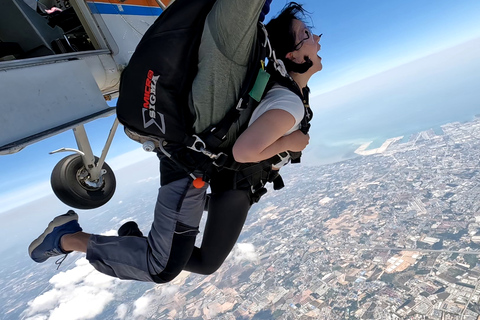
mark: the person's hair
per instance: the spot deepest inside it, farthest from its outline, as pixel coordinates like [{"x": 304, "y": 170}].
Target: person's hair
[{"x": 282, "y": 36}]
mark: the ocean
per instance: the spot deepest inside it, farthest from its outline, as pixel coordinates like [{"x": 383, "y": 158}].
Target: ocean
[{"x": 421, "y": 95}]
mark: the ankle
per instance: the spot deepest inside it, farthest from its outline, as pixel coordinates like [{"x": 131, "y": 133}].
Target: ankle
[
  {"x": 75, "y": 242},
  {"x": 71, "y": 242},
  {"x": 64, "y": 242}
]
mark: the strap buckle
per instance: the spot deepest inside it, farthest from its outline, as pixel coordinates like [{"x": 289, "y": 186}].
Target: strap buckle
[
  {"x": 199, "y": 146},
  {"x": 240, "y": 105},
  {"x": 220, "y": 160},
  {"x": 258, "y": 193},
  {"x": 256, "y": 188}
]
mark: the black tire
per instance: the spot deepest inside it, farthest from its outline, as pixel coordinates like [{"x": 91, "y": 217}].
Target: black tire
[{"x": 69, "y": 188}]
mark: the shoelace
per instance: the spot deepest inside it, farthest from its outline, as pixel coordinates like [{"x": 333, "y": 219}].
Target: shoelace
[
  {"x": 54, "y": 252},
  {"x": 60, "y": 261}
]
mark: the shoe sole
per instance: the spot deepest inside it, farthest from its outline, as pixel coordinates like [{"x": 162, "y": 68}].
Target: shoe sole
[{"x": 58, "y": 221}]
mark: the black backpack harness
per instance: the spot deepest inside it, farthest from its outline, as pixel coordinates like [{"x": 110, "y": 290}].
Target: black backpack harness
[{"x": 169, "y": 130}]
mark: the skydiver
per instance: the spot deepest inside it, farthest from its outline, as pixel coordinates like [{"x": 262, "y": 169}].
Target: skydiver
[{"x": 228, "y": 35}]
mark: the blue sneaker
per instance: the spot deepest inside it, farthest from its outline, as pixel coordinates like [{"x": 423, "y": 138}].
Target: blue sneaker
[{"x": 48, "y": 244}]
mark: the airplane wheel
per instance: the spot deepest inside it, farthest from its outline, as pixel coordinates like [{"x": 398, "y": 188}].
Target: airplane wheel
[{"x": 70, "y": 184}]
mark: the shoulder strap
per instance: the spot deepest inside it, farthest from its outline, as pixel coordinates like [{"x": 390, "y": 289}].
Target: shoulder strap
[{"x": 307, "y": 115}]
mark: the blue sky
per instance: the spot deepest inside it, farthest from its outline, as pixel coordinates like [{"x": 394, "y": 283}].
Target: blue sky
[{"x": 360, "y": 39}]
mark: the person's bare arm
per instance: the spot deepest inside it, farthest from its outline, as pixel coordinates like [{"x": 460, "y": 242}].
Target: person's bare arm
[{"x": 265, "y": 137}]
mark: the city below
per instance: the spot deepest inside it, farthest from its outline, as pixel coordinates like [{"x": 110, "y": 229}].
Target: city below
[{"x": 391, "y": 235}]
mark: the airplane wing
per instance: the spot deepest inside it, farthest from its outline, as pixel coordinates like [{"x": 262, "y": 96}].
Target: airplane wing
[
  {"x": 57, "y": 70},
  {"x": 60, "y": 62},
  {"x": 45, "y": 99}
]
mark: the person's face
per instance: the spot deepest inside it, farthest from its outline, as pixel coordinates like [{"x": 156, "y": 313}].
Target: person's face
[{"x": 306, "y": 44}]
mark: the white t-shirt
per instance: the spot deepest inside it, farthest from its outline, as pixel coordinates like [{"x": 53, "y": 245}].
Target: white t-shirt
[{"x": 281, "y": 98}]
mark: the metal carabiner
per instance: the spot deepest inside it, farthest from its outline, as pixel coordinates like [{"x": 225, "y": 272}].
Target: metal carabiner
[{"x": 194, "y": 145}]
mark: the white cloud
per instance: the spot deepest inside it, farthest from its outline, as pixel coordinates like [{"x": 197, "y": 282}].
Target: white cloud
[
  {"x": 142, "y": 305},
  {"x": 121, "y": 311},
  {"x": 77, "y": 294},
  {"x": 245, "y": 251},
  {"x": 123, "y": 221},
  {"x": 111, "y": 232},
  {"x": 87, "y": 303},
  {"x": 45, "y": 302},
  {"x": 38, "y": 318},
  {"x": 147, "y": 305},
  {"x": 169, "y": 291}
]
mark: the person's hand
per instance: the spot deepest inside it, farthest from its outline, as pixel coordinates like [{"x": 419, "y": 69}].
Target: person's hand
[
  {"x": 297, "y": 141},
  {"x": 265, "y": 10}
]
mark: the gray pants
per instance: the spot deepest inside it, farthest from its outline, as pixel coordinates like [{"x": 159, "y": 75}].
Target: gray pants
[
  {"x": 227, "y": 42},
  {"x": 139, "y": 258}
]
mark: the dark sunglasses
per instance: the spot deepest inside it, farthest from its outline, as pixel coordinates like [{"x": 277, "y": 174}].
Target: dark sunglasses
[{"x": 308, "y": 34}]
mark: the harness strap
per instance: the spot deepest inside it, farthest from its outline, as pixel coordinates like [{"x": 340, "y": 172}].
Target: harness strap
[
  {"x": 276, "y": 179},
  {"x": 257, "y": 195},
  {"x": 305, "y": 124},
  {"x": 255, "y": 176}
]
